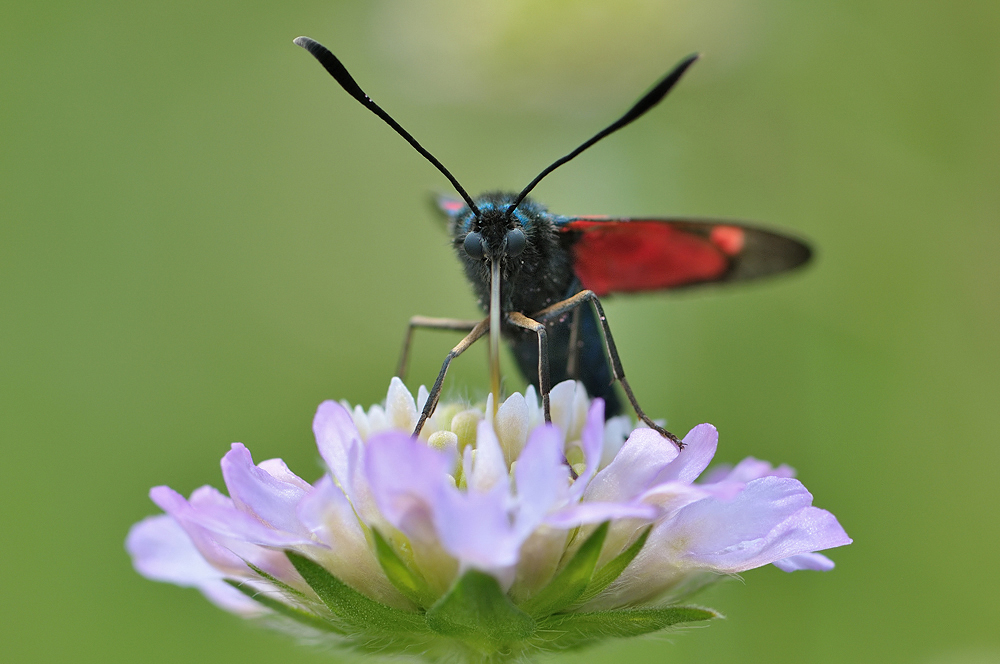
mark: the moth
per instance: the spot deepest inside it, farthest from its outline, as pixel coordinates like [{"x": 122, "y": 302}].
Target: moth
[{"x": 539, "y": 276}]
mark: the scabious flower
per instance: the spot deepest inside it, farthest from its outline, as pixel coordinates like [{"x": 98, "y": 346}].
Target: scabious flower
[{"x": 489, "y": 537}]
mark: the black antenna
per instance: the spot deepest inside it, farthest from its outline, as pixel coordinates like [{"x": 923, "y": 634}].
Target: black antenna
[
  {"x": 651, "y": 99},
  {"x": 340, "y": 74}
]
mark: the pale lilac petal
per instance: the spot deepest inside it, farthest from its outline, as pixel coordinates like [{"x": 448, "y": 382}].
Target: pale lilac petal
[
  {"x": 672, "y": 496},
  {"x": 711, "y": 525},
  {"x": 770, "y": 520},
  {"x": 340, "y": 445},
  {"x": 162, "y": 551},
  {"x": 228, "y": 538},
  {"x": 639, "y": 464},
  {"x": 407, "y": 479},
  {"x": 327, "y": 514},
  {"x": 357, "y": 488},
  {"x": 587, "y": 512},
  {"x": 208, "y": 497},
  {"x": 699, "y": 447},
  {"x": 752, "y": 469},
  {"x": 475, "y": 528},
  {"x": 224, "y": 521},
  {"x": 277, "y": 469},
  {"x": 409, "y": 483},
  {"x": 718, "y": 473},
  {"x": 591, "y": 443},
  {"x": 812, "y": 561},
  {"x": 228, "y": 551},
  {"x": 257, "y": 492},
  {"x": 336, "y": 434},
  {"x": 541, "y": 476},
  {"x": 217, "y": 555}
]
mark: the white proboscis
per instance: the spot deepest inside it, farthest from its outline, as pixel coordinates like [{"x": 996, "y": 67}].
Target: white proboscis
[{"x": 495, "y": 332}]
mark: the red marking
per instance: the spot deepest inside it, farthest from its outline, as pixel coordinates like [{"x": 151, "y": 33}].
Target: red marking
[
  {"x": 729, "y": 239},
  {"x": 450, "y": 206},
  {"x": 633, "y": 256}
]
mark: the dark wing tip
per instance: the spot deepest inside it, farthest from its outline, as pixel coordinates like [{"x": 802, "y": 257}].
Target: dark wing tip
[{"x": 768, "y": 253}]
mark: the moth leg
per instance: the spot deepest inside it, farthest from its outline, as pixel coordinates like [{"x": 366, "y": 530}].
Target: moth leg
[
  {"x": 573, "y": 359},
  {"x": 478, "y": 330},
  {"x": 428, "y": 324},
  {"x": 560, "y": 308},
  {"x": 523, "y": 322}
]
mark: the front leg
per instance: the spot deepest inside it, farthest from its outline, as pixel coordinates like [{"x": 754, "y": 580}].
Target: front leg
[
  {"x": 481, "y": 328},
  {"x": 560, "y": 308},
  {"x": 573, "y": 358},
  {"x": 525, "y": 323}
]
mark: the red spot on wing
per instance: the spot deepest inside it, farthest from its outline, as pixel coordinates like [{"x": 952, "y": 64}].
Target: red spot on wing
[
  {"x": 729, "y": 239},
  {"x": 628, "y": 256},
  {"x": 450, "y": 206}
]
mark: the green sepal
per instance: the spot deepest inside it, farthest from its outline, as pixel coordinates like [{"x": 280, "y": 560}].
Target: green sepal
[
  {"x": 612, "y": 570},
  {"x": 573, "y": 630},
  {"x": 399, "y": 573},
  {"x": 475, "y": 610},
  {"x": 572, "y": 580},
  {"x": 350, "y": 606},
  {"x": 277, "y": 582},
  {"x": 279, "y": 607}
]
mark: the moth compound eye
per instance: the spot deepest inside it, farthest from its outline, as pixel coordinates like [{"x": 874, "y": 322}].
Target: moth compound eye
[
  {"x": 515, "y": 241},
  {"x": 474, "y": 245}
]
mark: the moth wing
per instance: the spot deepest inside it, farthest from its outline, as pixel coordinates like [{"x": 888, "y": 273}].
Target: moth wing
[
  {"x": 451, "y": 207},
  {"x": 632, "y": 255}
]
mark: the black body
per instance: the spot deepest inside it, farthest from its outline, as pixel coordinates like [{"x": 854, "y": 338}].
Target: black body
[{"x": 538, "y": 277}]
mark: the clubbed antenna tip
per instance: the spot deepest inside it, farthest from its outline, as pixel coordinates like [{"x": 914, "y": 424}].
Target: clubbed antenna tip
[
  {"x": 648, "y": 101},
  {"x": 342, "y": 76}
]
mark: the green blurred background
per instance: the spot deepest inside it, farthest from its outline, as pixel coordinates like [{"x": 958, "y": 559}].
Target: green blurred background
[{"x": 202, "y": 237}]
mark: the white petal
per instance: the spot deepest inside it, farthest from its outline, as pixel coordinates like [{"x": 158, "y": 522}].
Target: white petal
[
  {"x": 489, "y": 468},
  {"x": 400, "y": 409},
  {"x": 561, "y": 398},
  {"x": 512, "y": 426}
]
